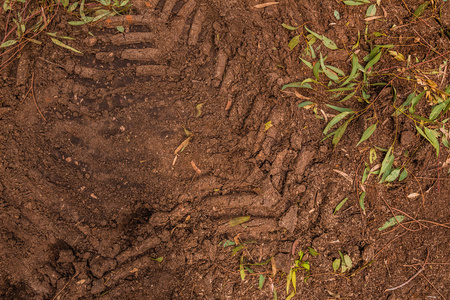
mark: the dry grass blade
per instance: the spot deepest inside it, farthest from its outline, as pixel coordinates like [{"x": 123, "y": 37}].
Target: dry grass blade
[{"x": 262, "y": 5}]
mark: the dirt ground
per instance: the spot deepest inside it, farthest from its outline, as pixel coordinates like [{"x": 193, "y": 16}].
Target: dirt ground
[{"x": 92, "y": 192}]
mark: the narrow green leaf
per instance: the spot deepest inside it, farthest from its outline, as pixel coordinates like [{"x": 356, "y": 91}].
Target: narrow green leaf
[
  {"x": 431, "y": 134},
  {"x": 329, "y": 43},
  {"x": 372, "y": 155},
  {"x": 365, "y": 175},
  {"x": 261, "y": 281},
  {"x": 403, "y": 175},
  {"x": 356, "y": 2},
  {"x": 445, "y": 142},
  {"x": 288, "y": 280},
  {"x": 385, "y": 163},
  {"x": 294, "y": 42},
  {"x": 289, "y": 27},
  {"x": 307, "y": 63},
  {"x": 392, "y": 221},
  {"x": 336, "y": 70},
  {"x": 354, "y": 69},
  {"x": 349, "y": 96},
  {"x": 61, "y": 44},
  {"x": 305, "y": 104},
  {"x": 242, "y": 272},
  {"x": 318, "y": 36},
  {"x": 237, "y": 249},
  {"x": 316, "y": 70},
  {"x": 330, "y": 74},
  {"x": 356, "y": 45},
  {"x": 239, "y": 220},
  {"x": 393, "y": 175},
  {"x": 8, "y": 43},
  {"x": 290, "y": 296},
  {"x": 120, "y": 28},
  {"x": 369, "y": 131},
  {"x": 415, "y": 101},
  {"x": 420, "y": 9},
  {"x": 340, "y": 132},
  {"x": 436, "y": 111},
  {"x": 77, "y": 23},
  {"x": 335, "y": 120},
  {"x": 339, "y": 206},
  {"x": 336, "y": 264},
  {"x": 361, "y": 200},
  {"x": 275, "y": 296},
  {"x": 372, "y": 62},
  {"x": 340, "y": 109},
  {"x": 297, "y": 84},
  {"x": 228, "y": 243},
  {"x": 313, "y": 252}
]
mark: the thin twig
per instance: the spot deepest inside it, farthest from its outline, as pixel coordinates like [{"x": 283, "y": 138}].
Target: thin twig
[
  {"x": 34, "y": 98},
  {"x": 64, "y": 287},
  {"x": 410, "y": 279}
]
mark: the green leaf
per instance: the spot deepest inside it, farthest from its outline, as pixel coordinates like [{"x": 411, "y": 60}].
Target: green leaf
[
  {"x": 335, "y": 120},
  {"x": 307, "y": 63},
  {"x": 261, "y": 281},
  {"x": 237, "y": 249},
  {"x": 336, "y": 264},
  {"x": 65, "y": 3},
  {"x": 356, "y": 2},
  {"x": 159, "y": 259},
  {"x": 297, "y": 84},
  {"x": 330, "y": 74},
  {"x": 313, "y": 252},
  {"x": 316, "y": 70},
  {"x": 372, "y": 155},
  {"x": 336, "y": 70},
  {"x": 239, "y": 220},
  {"x": 228, "y": 243},
  {"x": 339, "y": 206},
  {"x": 289, "y": 27},
  {"x": 348, "y": 261},
  {"x": 431, "y": 134},
  {"x": 77, "y": 23},
  {"x": 288, "y": 280},
  {"x": 356, "y": 45},
  {"x": 393, "y": 175},
  {"x": 306, "y": 103},
  {"x": 294, "y": 42},
  {"x": 372, "y": 62},
  {"x": 385, "y": 163},
  {"x": 371, "y": 10},
  {"x": 445, "y": 142},
  {"x": 290, "y": 296},
  {"x": 340, "y": 109},
  {"x": 361, "y": 200},
  {"x": 355, "y": 64},
  {"x": 369, "y": 131},
  {"x": 275, "y": 297},
  {"x": 403, "y": 175},
  {"x": 337, "y": 15},
  {"x": 420, "y": 9},
  {"x": 61, "y": 44},
  {"x": 392, "y": 221},
  {"x": 8, "y": 43},
  {"x": 72, "y": 7},
  {"x": 340, "y": 132},
  {"x": 414, "y": 102},
  {"x": 436, "y": 111},
  {"x": 329, "y": 43},
  {"x": 242, "y": 272},
  {"x": 365, "y": 175},
  {"x": 349, "y": 96},
  {"x": 120, "y": 28}
]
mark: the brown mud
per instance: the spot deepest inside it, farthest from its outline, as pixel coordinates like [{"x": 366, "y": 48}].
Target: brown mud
[{"x": 92, "y": 192}]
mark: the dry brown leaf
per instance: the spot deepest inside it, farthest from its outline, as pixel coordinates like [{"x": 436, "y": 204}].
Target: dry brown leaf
[
  {"x": 182, "y": 145},
  {"x": 345, "y": 175},
  {"x": 262, "y": 5},
  {"x": 274, "y": 266},
  {"x": 373, "y": 18},
  {"x": 196, "y": 168},
  {"x": 298, "y": 95},
  {"x": 294, "y": 246}
]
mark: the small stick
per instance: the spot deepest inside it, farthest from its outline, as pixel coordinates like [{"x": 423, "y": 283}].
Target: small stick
[
  {"x": 412, "y": 277},
  {"x": 64, "y": 287},
  {"x": 34, "y": 98}
]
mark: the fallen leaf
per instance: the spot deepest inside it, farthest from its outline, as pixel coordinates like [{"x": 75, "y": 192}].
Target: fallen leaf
[
  {"x": 262, "y": 5},
  {"x": 413, "y": 195},
  {"x": 345, "y": 175},
  {"x": 239, "y": 220},
  {"x": 196, "y": 168}
]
